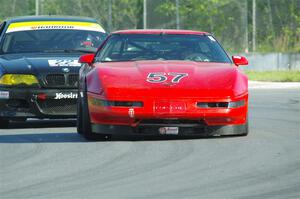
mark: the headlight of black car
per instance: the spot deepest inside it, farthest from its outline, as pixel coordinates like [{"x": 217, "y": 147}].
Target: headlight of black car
[{"x": 18, "y": 80}]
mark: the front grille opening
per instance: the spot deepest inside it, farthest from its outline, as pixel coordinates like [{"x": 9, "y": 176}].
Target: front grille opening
[
  {"x": 55, "y": 80},
  {"x": 126, "y": 104},
  {"x": 58, "y": 107},
  {"x": 73, "y": 80},
  {"x": 100, "y": 102},
  {"x": 62, "y": 80},
  {"x": 212, "y": 104},
  {"x": 171, "y": 122}
]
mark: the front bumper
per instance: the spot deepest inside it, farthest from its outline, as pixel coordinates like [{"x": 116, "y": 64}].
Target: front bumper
[
  {"x": 182, "y": 130},
  {"x": 37, "y": 103},
  {"x": 181, "y": 113}
]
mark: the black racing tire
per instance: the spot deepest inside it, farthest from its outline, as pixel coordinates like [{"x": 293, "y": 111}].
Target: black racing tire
[
  {"x": 79, "y": 115},
  {"x": 84, "y": 121},
  {"x": 4, "y": 123},
  {"x": 85, "y": 118}
]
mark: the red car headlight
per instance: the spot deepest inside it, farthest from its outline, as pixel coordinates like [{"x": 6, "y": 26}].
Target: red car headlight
[{"x": 235, "y": 104}]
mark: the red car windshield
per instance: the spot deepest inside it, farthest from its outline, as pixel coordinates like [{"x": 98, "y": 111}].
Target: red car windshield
[{"x": 133, "y": 47}]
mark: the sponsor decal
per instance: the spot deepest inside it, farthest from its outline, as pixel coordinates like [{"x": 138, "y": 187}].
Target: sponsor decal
[
  {"x": 168, "y": 130},
  {"x": 66, "y": 96},
  {"x": 4, "y": 95},
  {"x": 64, "y": 62},
  {"x": 51, "y": 27},
  {"x": 43, "y": 25}
]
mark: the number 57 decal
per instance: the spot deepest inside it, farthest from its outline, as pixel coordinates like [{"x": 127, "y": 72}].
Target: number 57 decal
[{"x": 159, "y": 77}]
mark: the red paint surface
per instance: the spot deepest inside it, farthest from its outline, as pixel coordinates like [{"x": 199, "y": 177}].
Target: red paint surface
[{"x": 206, "y": 82}]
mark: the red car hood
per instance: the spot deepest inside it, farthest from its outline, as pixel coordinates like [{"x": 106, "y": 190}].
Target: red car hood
[{"x": 204, "y": 80}]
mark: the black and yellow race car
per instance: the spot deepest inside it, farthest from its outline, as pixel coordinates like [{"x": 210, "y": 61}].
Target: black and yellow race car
[{"x": 39, "y": 65}]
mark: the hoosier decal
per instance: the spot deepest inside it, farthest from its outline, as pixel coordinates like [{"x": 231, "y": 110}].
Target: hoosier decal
[{"x": 66, "y": 96}]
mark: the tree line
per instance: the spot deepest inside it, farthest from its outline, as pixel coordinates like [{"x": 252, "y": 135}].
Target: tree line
[{"x": 231, "y": 21}]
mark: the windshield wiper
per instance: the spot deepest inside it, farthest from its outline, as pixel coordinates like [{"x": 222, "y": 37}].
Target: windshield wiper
[{"x": 84, "y": 50}]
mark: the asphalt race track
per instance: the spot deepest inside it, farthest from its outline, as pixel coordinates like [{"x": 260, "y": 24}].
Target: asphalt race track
[{"x": 47, "y": 159}]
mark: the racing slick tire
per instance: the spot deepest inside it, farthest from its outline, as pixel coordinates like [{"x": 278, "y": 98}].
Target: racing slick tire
[
  {"x": 79, "y": 117},
  {"x": 84, "y": 122},
  {"x": 83, "y": 118},
  {"x": 4, "y": 123}
]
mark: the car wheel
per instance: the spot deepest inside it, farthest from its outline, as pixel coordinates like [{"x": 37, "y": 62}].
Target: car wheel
[
  {"x": 79, "y": 115},
  {"x": 85, "y": 118},
  {"x": 4, "y": 123},
  {"x": 85, "y": 125}
]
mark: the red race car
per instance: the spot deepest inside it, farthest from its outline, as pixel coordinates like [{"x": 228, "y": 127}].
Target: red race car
[{"x": 162, "y": 82}]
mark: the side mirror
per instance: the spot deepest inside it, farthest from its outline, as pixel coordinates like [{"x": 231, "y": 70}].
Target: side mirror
[
  {"x": 87, "y": 59},
  {"x": 239, "y": 60}
]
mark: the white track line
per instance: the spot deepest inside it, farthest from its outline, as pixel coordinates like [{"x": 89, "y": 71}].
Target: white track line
[{"x": 273, "y": 85}]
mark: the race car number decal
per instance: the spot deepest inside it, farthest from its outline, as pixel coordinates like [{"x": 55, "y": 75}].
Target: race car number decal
[
  {"x": 159, "y": 77},
  {"x": 62, "y": 62}
]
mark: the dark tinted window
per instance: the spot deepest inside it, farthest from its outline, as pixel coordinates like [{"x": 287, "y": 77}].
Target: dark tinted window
[
  {"x": 2, "y": 25},
  {"x": 202, "y": 48},
  {"x": 51, "y": 40}
]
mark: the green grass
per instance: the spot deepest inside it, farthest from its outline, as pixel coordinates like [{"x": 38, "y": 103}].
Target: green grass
[{"x": 274, "y": 76}]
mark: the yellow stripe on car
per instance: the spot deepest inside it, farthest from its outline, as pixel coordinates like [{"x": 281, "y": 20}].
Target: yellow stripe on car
[{"x": 39, "y": 25}]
